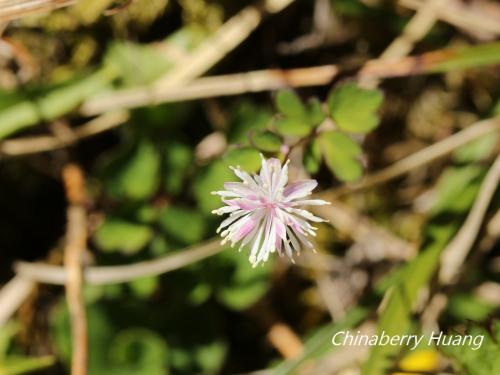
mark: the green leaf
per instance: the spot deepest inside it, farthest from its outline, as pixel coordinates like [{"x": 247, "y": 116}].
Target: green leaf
[
  {"x": 480, "y": 361},
  {"x": 123, "y": 236},
  {"x": 341, "y": 155},
  {"x": 178, "y": 159},
  {"x": 139, "y": 351},
  {"x": 144, "y": 287},
  {"x": 7, "y": 332},
  {"x": 241, "y": 285},
  {"x": 289, "y": 104},
  {"x": 211, "y": 356},
  {"x": 456, "y": 189},
  {"x": 315, "y": 112},
  {"x": 464, "y": 57},
  {"x": 247, "y": 158},
  {"x": 467, "y": 307},
  {"x": 267, "y": 141},
  {"x": 247, "y": 117},
  {"x": 476, "y": 150},
  {"x": 294, "y": 127},
  {"x": 312, "y": 157},
  {"x": 297, "y": 119},
  {"x": 183, "y": 224},
  {"x": 135, "y": 175},
  {"x": 355, "y": 109}
]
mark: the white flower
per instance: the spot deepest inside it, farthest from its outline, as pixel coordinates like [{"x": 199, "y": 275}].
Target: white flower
[{"x": 265, "y": 214}]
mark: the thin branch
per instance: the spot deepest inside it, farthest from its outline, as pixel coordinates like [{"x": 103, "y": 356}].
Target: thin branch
[
  {"x": 209, "y": 87},
  {"x": 57, "y": 275},
  {"x": 456, "y": 251},
  {"x": 12, "y": 295},
  {"x": 31, "y": 145},
  {"x": 76, "y": 239},
  {"x": 271, "y": 79}
]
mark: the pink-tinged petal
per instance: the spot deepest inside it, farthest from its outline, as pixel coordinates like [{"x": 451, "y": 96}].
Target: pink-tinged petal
[
  {"x": 248, "y": 205},
  {"x": 245, "y": 229},
  {"x": 265, "y": 214},
  {"x": 299, "y": 189},
  {"x": 231, "y": 219},
  {"x": 239, "y": 188},
  {"x": 280, "y": 229}
]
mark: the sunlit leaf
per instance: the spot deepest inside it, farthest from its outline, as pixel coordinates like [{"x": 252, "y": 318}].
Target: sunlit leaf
[
  {"x": 354, "y": 109},
  {"x": 341, "y": 155},
  {"x": 247, "y": 158},
  {"x": 267, "y": 141}
]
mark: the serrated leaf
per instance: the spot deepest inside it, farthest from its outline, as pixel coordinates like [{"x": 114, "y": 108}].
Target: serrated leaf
[
  {"x": 267, "y": 141},
  {"x": 355, "y": 109},
  {"x": 315, "y": 112},
  {"x": 296, "y": 118},
  {"x": 183, "y": 224},
  {"x": 341, "y": 155},
  {"x": 123, "y": 236},
  {"x": 289, "y": 104},
  {"x": 247, "y": 158}
]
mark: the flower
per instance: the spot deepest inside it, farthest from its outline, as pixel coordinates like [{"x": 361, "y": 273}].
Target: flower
[{"x": 265, "y": 214}]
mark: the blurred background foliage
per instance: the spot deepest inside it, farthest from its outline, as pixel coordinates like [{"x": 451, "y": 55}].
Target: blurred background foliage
[{"x": 150, "y": 179}]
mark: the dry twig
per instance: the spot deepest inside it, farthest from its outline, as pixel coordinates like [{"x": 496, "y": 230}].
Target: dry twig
[
  {"x": 76, "y": 239},
  {"x": 31, "y": 145},
  {"x": 50, "y": 274}
]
